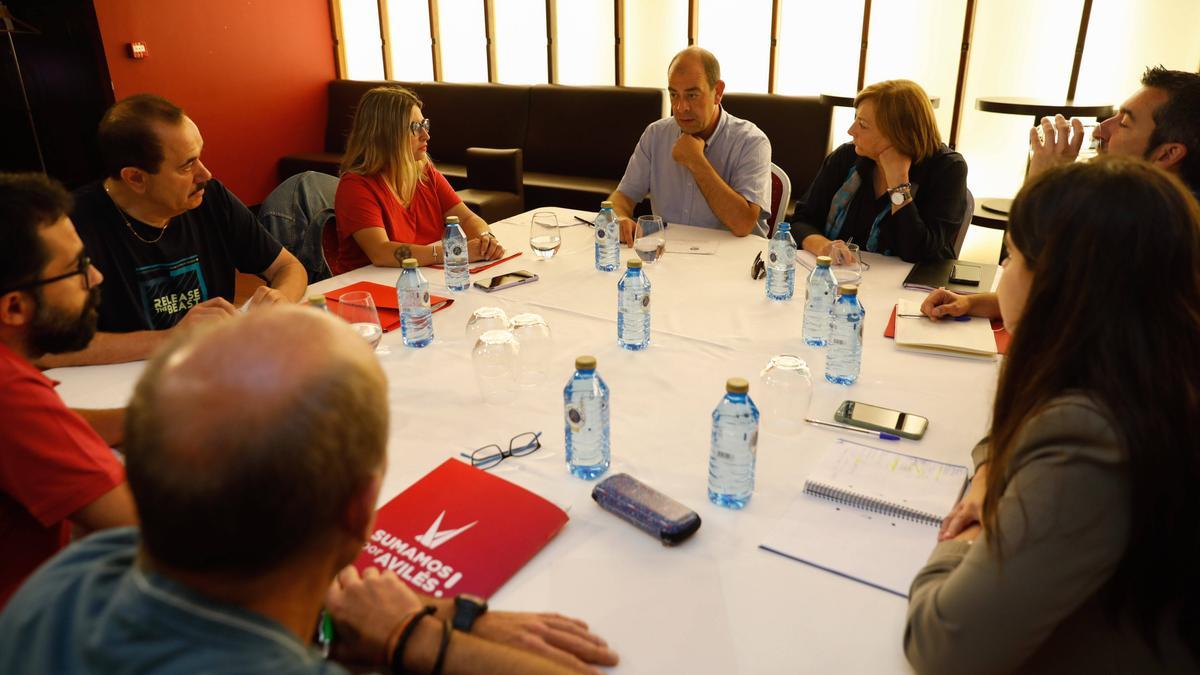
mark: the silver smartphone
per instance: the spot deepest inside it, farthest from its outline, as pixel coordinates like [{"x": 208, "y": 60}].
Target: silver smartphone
[
  {"x": 506, "y": 280},
  {"x": 875, "y": 418}
]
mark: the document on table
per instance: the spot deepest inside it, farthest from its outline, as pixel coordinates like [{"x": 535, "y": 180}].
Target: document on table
[
  {"x": 869, "y": 515},
  {"x": 696, "y": 243}
]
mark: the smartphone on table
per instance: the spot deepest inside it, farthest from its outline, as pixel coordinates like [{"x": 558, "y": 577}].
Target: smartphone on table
[
  {"x": 506, "y": 280},
  {"x": 875, "y": 418},
  {"x": 966, "y": 275}
]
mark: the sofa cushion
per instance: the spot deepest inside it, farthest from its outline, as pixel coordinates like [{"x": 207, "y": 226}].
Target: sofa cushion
[
  {"x": 798, "y": 127},
  {"x": 586, "y": 131}
]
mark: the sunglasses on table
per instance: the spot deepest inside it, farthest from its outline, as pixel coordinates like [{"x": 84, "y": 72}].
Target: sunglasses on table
[{"x": 518, "y": 446}]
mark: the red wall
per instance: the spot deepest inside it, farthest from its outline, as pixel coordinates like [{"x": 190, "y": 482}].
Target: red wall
[{"x": 252, "y": 74}]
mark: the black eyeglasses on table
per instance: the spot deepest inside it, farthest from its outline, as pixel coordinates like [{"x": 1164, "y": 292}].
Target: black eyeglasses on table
[
  {"x": 758, "y": 268},
  {"x": 492, "y": 454},
  {"x": 85, "y": 263}
]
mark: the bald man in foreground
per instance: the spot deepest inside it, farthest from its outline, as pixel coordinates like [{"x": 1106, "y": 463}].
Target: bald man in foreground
[
  {"x": 255, "y": 453},
  {"x": 701, "y": 166}
]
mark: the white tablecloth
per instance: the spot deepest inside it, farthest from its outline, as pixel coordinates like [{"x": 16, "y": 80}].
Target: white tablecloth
[{"x": 716, "y": 603}]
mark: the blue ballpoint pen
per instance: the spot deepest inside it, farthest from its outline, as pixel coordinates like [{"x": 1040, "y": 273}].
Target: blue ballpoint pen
[{"x": 883, "y": 435}]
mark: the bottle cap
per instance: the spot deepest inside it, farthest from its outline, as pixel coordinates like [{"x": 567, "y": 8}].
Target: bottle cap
[
  {"x": 783, "y": 227},
  {"x": 737, "y": 385},
  {"x": 847, "y": 289},
  {"x": 409, "y": 263},
  {"x": 824, "y": 261},
  {"x": 585, "y": 363},
  {"x": 634, "y": 263},
  {"x": 606, "y": 204},
  {"x": 316, "y": 300},
  {"x": 451, "y": 220}
]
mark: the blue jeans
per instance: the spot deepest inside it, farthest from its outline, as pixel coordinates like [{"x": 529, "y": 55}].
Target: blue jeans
[{"x": 297, "y": 213}]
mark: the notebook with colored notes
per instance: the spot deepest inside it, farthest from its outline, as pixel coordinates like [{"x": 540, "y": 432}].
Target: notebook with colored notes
[
  {"x": 460, "y": 530},
  {"x": 869, "y": 515},
  {"x": 386, "y": 302},
  {"x": 967, "y": 337}
]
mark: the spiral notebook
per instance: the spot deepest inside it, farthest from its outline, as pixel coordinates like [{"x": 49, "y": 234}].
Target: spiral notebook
[{"x": 869, "y": 515}]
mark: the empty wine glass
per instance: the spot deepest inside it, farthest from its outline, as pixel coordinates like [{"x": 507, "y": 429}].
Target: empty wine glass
[
  {"x": 495, "y": 361},
  {"x": 649, "y": 238},
  {"x": 358, "y": 308},
  {"x": 485, "y": 319},
  {"x": 849, "y": 272},
  {"x": 544, "y": 237},
  {"x": 533, "y": 336},
  {"x": 784, "y": 393}
]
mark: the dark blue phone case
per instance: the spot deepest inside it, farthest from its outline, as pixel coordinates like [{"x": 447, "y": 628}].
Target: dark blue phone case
[{"x": 647, "y": 508}]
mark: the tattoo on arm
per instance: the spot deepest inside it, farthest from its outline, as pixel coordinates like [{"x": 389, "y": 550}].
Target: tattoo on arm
[{"x": 402, "y": 252}]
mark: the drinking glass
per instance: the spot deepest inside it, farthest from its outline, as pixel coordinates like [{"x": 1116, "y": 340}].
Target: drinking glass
[
  {"x": 544, "y": 237},
  {"x": 649, "y": 238},
  {"x": 485, "y": 319},
  {"x": 784, "y": 392},
  {"x": 495, "y": 361},
  {"x": 358, "y": 308},
  {"x": 850, "y": 272},
  {"x": 533, "y": 337}
]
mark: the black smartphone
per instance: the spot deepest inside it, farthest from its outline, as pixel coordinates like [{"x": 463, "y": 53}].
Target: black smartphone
[
  {"x": 875, "y": 418},
  {"x": 966, "y": 275},
  {"x": 506, "y": 280},
  {"x": 647, "y": 508}
]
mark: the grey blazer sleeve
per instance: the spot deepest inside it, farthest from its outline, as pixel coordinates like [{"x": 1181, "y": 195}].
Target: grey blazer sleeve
[{"x": 1064, "y": 525}]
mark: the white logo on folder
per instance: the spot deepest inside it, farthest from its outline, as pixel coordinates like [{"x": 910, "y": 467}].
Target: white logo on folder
[{"x": 434, "y": 537}]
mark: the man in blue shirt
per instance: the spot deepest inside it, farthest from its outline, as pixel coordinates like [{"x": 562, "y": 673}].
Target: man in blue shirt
[
  {"x": 255, "y": 454},
  {"x": 701, "y": 166}
]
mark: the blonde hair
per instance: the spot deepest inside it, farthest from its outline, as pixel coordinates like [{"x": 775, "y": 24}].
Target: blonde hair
[
  {"x": 903, "y": 113},
  {"x": 379, "y": 142}
]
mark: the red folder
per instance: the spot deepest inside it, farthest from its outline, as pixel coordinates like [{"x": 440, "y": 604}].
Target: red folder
[
  {"x": 460, "y": 530},
  {"x": 385, "y": 302},
  {"x": 998, "y": 330}
]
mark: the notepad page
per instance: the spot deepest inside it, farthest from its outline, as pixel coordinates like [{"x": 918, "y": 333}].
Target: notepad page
[
  {"x": 970, "y": 338},
  {"x": 887, "y": 477}
]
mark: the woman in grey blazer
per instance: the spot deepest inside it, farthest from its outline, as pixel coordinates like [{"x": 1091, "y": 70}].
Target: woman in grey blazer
[{"x": 1077, "y": 546}]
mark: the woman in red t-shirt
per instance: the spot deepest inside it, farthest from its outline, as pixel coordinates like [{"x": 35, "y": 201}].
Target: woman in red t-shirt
[{"x": 391, "y": 202}]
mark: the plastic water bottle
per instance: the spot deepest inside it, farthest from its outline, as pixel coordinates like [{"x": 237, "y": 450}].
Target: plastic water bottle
[
  {"x": 819, "y": 295},
  {"x": 608, "y": 239},
  {"x": 318, "y": 302},
  {"x": 844, "y": 359},
  {"x": 734, "y": 447},
  {"x": 585, "y": 409},
  {"x": 412, "y": 294},
  {"x": 455, "y": 256},
  {"x": 633, "y": 307},
  {"x": 781, "y": 264}
]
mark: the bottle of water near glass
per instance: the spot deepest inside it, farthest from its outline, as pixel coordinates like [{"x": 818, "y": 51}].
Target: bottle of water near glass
[
  {"x": 412, "y": 295},
  {"x": 819, "y": 294},
  {"x": 844, "y": 360},
  {"x": 544, "y": 235},
  {"x": 649, "y": 238},
  {"x": 781, "y": 264},
  {"x": 633, "y": 307},
  {"x": 455, "y": 257},
  {"x": 734, "y": 447},
  {"x": 608, "y": 238},
  {"x": 586, "y": 413}
]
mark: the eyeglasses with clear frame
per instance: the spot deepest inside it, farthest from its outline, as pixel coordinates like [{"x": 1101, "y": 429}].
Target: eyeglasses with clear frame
[
  {"x": 518, "y": 446},
  {"x": 82, "y": 268},
  {"x": 417, "y": 127}
]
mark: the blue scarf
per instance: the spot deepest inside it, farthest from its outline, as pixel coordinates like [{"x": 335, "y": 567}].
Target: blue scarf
[{"x": 841, "y": 204}]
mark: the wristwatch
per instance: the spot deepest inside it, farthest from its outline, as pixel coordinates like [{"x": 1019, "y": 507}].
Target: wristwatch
[
  {"x": 467, "y": 608},
  {"x": 901, "y": 193}
]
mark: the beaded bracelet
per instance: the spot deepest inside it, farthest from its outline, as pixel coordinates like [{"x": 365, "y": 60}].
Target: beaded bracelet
[{"x": 410, "y": 625}]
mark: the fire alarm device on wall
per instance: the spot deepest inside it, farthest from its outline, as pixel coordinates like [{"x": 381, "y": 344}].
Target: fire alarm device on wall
[{"x": 137, "y": 50}]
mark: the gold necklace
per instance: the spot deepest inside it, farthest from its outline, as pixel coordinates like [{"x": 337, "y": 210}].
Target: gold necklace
[{"x": 121, "y": 212}]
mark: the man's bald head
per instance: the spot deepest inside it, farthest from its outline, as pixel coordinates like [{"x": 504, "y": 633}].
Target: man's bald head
[
  {"x": 246, "y": 442},
  {"x": 696, "y": 57}
]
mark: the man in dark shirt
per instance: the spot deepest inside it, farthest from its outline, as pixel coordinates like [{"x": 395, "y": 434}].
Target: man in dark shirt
[
  {"x": 252, "y": 503},
  {"x": 167, "y": 236}
]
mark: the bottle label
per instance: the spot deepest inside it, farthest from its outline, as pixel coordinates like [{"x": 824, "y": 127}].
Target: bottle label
[
  {"x": 574, "y": 413},
  {"x": 600, "y": 233},
  {"x": 457, "y": 250},
  {"x": 773, "y": 257},
  {"x": 646, "y": 302},
  {"x": 425, "y": 298}
]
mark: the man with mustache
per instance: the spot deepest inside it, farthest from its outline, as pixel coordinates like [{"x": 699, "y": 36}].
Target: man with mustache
[
  {"x": 702, "y": 166},
  {"x": 56, "y": 470},
  {"x": 168, "y": 236}
]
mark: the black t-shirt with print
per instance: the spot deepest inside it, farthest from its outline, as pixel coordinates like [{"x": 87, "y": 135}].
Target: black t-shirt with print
[{"x": 151, "y": 286}]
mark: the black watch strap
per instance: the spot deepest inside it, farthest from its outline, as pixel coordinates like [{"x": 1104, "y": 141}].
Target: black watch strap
[{"x": 467, "y": 609}]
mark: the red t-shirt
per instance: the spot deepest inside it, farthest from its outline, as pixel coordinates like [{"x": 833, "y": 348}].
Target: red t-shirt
[
  {"x": 51, "y": 465},
  {"x": 366, "y": 201}
]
